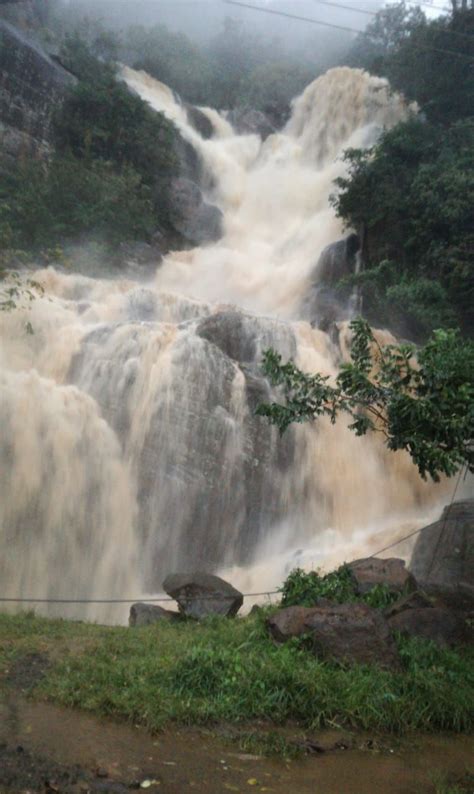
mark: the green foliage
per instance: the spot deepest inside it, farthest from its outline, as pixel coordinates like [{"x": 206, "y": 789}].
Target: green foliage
[
  {"x": 110, "y": 172},
  {"x": 424, "y": 405},
  {"x": 413, "y": 195},
  {"x": 302, "y": 588},
  {"x": 73, "y": 197},
  {"x": 230, "y": 670}
]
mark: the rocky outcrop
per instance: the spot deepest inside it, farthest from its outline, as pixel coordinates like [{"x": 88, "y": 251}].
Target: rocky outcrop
[
  {"x": 441, "y": 626},
  {"x": 391, "y": 573},
  {"x": 199, "y": 121},
  {"x": 345, "y": 632},
  {"x": 196, "y": 220},
  {"x": 443, "y": 557},
  {"x": 415, "y": 600},
  {"x": 324, "y": 304},
  {"x": 146, "y": 614},
  {"x": 247, "y": 121},
  {"x": 201, "y": 594},
  {"x": 31, "y": 87}
]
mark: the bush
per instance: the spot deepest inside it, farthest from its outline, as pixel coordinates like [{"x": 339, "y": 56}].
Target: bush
[{"x": 302, "y": 588}]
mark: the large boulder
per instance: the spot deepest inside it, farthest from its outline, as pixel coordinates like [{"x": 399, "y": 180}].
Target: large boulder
[
  {"x": 202, "y": 594},
  {"x": 288, "y": 622},
  {"x": 32, "y": 86},
  {"x": 372, "y": 571},
  {"x": 248, "y": 121},
  {"x": 146, "y": 614},
  {"x": 345, "y": 632},
  {"x": 441, "y": 626},
  {"x": 325, "y": 303},
  {"x": 201, "y": 123},
  {"x": 443, "y": 557},
  {"x": 196, "y": 220}
]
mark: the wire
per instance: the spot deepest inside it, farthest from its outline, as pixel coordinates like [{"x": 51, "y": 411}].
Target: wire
[
  {"x": 376, "y": 13},
  {"x": 267, "y": 593},
  {"x": 337, "y": 27}
]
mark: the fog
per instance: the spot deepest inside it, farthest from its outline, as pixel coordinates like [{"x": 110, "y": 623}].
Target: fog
[{"x": 202, "y": 20}]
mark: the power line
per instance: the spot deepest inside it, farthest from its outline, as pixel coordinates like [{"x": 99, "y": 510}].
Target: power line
[
  {"x": 375, "y": 13},
  {"x": 336, "y": 27}
]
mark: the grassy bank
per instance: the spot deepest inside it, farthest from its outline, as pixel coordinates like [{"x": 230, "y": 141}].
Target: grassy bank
[{"x": 230, "y": 671}]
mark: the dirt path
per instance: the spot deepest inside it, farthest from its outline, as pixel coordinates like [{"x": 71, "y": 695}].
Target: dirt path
[{"x": 44, "y": 748}]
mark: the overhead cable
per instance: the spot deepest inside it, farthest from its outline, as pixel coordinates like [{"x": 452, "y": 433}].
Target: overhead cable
[{"x": 338, "y": 27}]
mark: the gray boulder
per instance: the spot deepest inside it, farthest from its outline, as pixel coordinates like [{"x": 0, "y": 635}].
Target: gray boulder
[
  {"x": 344, "y": 632},
  {"x": 146, "y": 614},
  {"x": 441, "y": 626},
  {"x": 202, "y": 594},
  {"x": 248, "y": 121},
  {"x": 367, "y": 573},
  {"x": 32, "y": 86},
  {"x": 191, "y": 216},
  {"x": 325, "y": 304},
  {"x": 199, "y": 121},
  {"x": 443, "y": 557}
]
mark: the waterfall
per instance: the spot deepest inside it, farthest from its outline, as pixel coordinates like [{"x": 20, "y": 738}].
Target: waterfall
[{"x": 130, "y": 447}]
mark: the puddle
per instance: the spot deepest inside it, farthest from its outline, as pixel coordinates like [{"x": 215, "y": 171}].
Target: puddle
[{"x": 69, "y": 751}]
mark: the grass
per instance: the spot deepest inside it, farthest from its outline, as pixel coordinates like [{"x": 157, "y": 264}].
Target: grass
[{"x": 230, "y": 671}]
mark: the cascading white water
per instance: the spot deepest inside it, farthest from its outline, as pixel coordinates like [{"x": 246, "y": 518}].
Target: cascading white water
[{"x": 129, "y": 444}]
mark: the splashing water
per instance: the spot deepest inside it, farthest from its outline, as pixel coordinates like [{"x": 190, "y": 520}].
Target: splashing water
[{"x": 129, "y": 446}]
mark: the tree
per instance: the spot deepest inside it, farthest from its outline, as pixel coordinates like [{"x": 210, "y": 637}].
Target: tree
[{"x": 420, "y": 401}]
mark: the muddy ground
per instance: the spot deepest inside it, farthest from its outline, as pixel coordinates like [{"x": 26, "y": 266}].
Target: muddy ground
[{"x": 44, "y": 748}]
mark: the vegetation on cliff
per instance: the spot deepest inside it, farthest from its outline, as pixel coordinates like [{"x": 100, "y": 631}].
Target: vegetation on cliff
[
  {"x": 109, "y": 173},
  {"x": 411, "y": 196}
]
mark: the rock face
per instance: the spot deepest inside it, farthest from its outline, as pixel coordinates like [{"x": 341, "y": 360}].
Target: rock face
[
  {"x": 441, "y": 626},
  {"x": 324, "y": 305},
  {"x": 146, "y": 614},
  {"x": 197, "y": 221},
  {"x": 370, "y": 572},
  {"x": 199, "y": 121},
  {"x": 443, "y": 557},
  {"x": 415, "y": 600},
  {"x": 201, "y": 594},
  {"x": 209, "y": 472},
  {"x": 345, "y": 632},
  {"x": 31, "y": 87},
  {"x": 247, "y": 121}
]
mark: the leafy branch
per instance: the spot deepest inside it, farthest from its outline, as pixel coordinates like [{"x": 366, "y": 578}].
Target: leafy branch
[{"x": 422, "y": 401}]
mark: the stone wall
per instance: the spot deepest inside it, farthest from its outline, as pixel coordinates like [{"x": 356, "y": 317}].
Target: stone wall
[{"x": 31, "y": 87}]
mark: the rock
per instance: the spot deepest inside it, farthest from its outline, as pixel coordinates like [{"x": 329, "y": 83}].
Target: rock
[
  {"x": 202, "y": 594},
  {"x": 197, "y": 221},
  {"x": 324, "y": 305},
  {"x": 32, "y": 86},
  {"x": 367, "y": 573},
  {"x": 443, "y": 627},
  {"x": 247, "y": 121},
  {"x": 415, "y": 600},
  {"x": 146, "y": 614},
  {"x": 288, "y": 622},
  {"x": 353, "y": 633},
  {"x": 337, "y": 260},
  {"x": 201, "y": 123},
  {"x": 443, "y": 557},
  {"x": 345, "y": 632}
]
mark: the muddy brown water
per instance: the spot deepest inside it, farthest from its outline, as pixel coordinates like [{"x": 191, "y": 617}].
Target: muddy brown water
[{"x": 44, "y": 748}]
